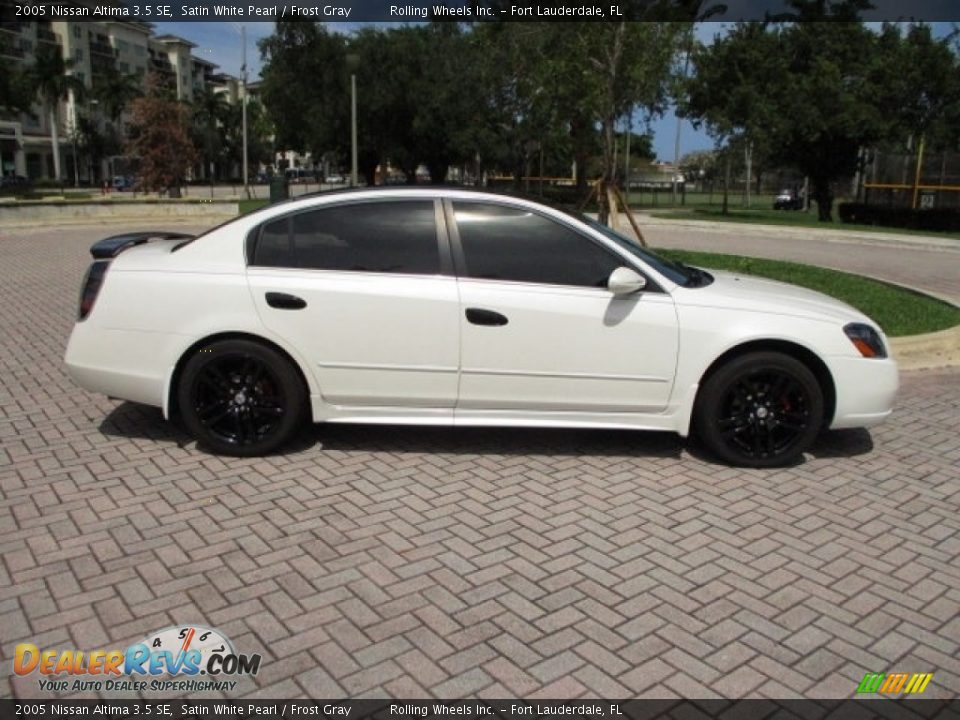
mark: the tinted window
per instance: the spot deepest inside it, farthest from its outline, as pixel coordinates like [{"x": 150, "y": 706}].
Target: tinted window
[
  {"x": 399, "y": 237},
  {"x": 503, "y": 243}
]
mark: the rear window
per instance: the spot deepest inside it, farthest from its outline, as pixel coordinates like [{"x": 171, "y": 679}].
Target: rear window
[{"x": 385, "y": 237}]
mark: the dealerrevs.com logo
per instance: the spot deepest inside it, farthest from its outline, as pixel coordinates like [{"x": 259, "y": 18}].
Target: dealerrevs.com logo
[{"x": 151, "y": 664}]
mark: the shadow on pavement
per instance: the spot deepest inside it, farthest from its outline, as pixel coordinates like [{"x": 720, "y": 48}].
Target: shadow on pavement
[
  {"x": 842, "y": 443},
  {"x": 498, "y": 441},
  {"x": 130, "y": 420},
  {"x": 134, "y": 421}
]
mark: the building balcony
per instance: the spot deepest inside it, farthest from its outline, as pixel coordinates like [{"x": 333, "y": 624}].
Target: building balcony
[
  {"x": 11, "y": 27},
  {"x": 10, "y": 49},
  {"x": 162, "y": 67},
  {"x": 45, "y": 34},
  {"x": 101, "y": 48}
]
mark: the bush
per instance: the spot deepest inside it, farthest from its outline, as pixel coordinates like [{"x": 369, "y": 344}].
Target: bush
[{"x": 936, "y": 219}]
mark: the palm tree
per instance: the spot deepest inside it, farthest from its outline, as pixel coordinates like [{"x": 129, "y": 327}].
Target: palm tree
[
  {"x": 54, "y": 83},
  {"x": 210, "y": 115},
  {"x": 114, "y": 91}
]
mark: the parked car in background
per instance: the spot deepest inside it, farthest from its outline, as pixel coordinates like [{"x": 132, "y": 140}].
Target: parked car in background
[
  {"x": 456, "y": 307},
  {"x": 300, "y": 175},
  {"x": 336, "y": 179},
  {"x": 123, "y": 183},
  {"x": 15, "y": 182},
  {"x": 788, "y": 200}
]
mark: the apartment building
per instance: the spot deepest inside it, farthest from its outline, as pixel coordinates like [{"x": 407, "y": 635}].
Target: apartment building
[{"x": 132, "y": 48}]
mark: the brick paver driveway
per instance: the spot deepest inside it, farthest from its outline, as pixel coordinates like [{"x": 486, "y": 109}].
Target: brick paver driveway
[{"x": 416, "y": 562}]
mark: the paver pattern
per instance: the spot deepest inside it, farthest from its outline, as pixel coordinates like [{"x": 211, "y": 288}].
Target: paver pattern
[{"x": 411, "y": 562}]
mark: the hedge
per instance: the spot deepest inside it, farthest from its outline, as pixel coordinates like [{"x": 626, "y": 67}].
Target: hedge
[{"x": 936, "y": 219}]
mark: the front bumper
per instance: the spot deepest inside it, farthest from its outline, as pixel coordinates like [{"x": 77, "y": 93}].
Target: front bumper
[{"x": 866, "y": 389}]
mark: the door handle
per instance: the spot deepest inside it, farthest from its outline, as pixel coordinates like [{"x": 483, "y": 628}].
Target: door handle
[
  {"x": 283, "y": 301},
  {"x": 477, "y": 316}
]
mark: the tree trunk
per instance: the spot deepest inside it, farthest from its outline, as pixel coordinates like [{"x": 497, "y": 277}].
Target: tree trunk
[
  {"x": 726, "y": 184},
  {"x": 438, "y": 172},
  {"x": 581, "y": 133},
  {"x": 748, "y": 158},
  {"x": 55, "y": 141},
  {"x": 823, "y": 194},
  {"x": 609, "y": 150},
  {"x": 369, "y": 172}
]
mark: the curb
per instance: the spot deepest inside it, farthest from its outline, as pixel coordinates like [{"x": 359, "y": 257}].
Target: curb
[{"x": 929, "y": 351}]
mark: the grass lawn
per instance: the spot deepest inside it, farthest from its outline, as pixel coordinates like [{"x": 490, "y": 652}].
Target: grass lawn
[
  {"x": 899, "y": 311},
  {"x": 769, "y": 216},
  {"x": 248, "y": 206}
]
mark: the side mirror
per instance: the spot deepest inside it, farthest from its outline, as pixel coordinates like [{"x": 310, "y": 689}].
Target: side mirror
[{"x": 624, "y": 281}]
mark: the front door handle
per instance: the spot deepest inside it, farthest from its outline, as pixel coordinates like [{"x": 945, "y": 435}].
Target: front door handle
[
  {"x": 477, "y": 316},
  {"x": 283, "y": 301}
]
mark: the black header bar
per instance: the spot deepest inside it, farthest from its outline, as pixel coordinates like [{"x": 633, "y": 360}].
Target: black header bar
[{"x": 362, "y": 11}]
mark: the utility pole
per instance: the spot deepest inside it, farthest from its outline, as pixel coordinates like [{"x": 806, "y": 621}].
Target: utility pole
[
  {"x": 243, "y": 69},
  {"x": 353, "y": 130},
  {"x": 73, "y": 123},
  {"x": 676, "y": 143}
]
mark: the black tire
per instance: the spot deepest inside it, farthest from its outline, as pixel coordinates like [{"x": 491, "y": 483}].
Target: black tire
[
  {"x": 238, "y": 397},
  {"x": 763, "y": 409}
]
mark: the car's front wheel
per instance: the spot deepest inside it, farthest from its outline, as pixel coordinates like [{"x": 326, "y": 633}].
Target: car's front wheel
[
  {"x": 762, "y": 409},
  {"x": 238, "y": 397}
]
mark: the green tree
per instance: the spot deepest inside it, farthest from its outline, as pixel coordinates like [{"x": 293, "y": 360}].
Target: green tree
[
  {"x": 114, "y": 91},
  {"x": 16, "y": 91},
  {"x": 520, "y": 107},
  {"x": 598, "y": 73},
  {"x": 806, "y": 84},
  {"x": 830, "y": 110},
  {"x": 737, "y": 89},
  {"x": 444, "y": 115},
  {"x": 306, "y": 86},
  {"x": 51, "y": 78},
  {"x": 101, "y": 124},
  {"x": 918, "y": 77}
]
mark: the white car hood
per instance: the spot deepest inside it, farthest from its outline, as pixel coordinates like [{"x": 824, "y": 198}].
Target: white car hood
[{"x": 746, "y": 292}]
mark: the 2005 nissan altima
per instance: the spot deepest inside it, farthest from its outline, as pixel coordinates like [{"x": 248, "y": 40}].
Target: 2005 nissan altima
[{"x": 455, "y": 307}]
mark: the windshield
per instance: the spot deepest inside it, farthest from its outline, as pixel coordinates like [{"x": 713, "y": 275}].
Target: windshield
[{"x": 676, "y": 271}]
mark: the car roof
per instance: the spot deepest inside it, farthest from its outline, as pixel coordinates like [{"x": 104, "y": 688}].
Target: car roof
[{"x": 421, "y": 190}]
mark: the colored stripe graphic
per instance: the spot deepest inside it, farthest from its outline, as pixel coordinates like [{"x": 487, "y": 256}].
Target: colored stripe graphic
[{"x": 893, "y": 683}]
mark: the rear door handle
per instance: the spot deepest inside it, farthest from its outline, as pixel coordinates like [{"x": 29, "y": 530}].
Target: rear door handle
[
  {"x": 284, "y": 301},
  {"x": 477, "y": 316}
]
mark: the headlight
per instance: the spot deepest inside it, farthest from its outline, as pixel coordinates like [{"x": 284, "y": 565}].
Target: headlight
[{"x": 866, "y": 340}]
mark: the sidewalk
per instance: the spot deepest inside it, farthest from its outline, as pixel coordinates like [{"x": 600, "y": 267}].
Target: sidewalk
[{"x": 828, "y": 234}]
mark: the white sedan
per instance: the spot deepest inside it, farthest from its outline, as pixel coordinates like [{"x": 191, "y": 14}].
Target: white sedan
[{"x": 454, "y": 307}]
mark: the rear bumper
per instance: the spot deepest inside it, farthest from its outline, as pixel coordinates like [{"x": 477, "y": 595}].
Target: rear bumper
[
  {"x": 866, "y": 390},
  {"x": 123, "y": 364}
]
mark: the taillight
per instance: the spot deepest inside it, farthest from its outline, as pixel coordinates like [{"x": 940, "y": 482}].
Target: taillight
[{"x": 92, "y": 282}]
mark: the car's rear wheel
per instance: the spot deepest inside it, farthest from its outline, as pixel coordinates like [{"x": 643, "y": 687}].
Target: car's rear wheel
[
  {"x": 762, "y": 409},
  {"x": 238, "y": 397}
]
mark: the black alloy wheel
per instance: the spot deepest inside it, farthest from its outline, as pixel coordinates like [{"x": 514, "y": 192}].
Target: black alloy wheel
[
  {"x": 760, "y": 410},
  {"x": 238, "y": 397}
]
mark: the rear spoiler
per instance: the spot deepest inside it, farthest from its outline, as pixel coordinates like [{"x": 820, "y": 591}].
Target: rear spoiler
[{"x": 114, "y": 245}]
